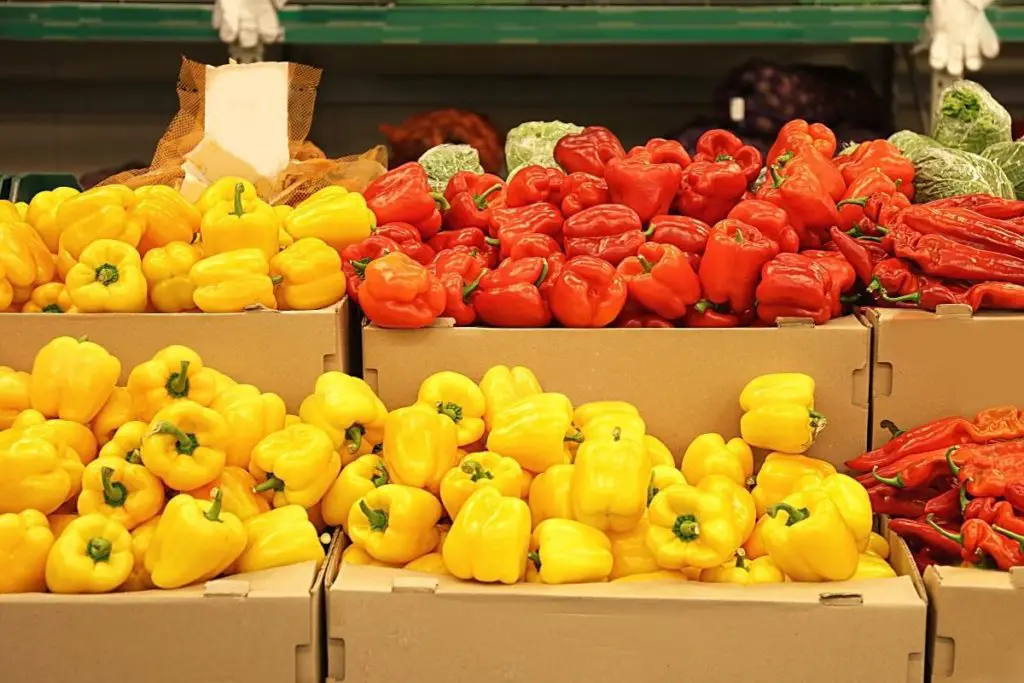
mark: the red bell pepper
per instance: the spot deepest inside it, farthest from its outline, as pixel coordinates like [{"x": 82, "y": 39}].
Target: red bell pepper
[
  {"x": 582, "y": 191},
  {"x": 459, "y": 269},
  {"x": 587, "y": 293},
  {"x": 840, "y": 271},
  {"x": 689, "y": 234},
  {"x": 399, "y": 292},
  {"x": 609, "y": 231},
  {"x": 710, "y": 189},
  {"x": 355, "y": 258},
  {"x": 662, "y": 151},
  {"x": 732, "y": 262},
  {"x": 508, "y": 225},
  {"x": 793, "y": 285},
  {"x": 798, "y": 134},
  {"x": 661, "y": 280},
  {"x": 465, "y": 237},
  {"x": 456, "y": 255},
  {"x": 535, "y": 184},
  {"x": 770, "y": 220},
  {"x": 588, "y": 151},
  {"x": 813, "y": 162},
  {"x": 403, "y": 195},
  {"x": 409, "y": 241},
  {"x": 810, "y": 209},
  {"x": 883, "y": 156},
  {"x": 515, "y": 294},
  {"x": 471, "y": 197},
  {"x": 706, "y": 314},
  {"x": 646, "y": 188},
  {"x": 638, "y": 319},
  {"x": 851, "y": 207},
  {"x": 533, "y": 244},
  {"x": 721, "y": 145}
]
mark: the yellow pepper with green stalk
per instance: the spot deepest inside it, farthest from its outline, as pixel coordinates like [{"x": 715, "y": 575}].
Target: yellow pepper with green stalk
[
  {"x": 121, "y": 490},
  {"x": 175, "y": 373},
  {"x": 186, "y": 445},
  {"x": 478, "y": 470},
  {"x": 108, "y": 279},
  {"x": 490, "y": 538},
  {"x": 14, "y": 394},
  {"x": 166, "y": 270},
  {"x": 42, "y": 214},
  {"x": 566, "y": 551},
  {"x": 278, "y": 538},
  {"x": 250, "y": 416},
  {"x": 419, "y": 446},
  {"x": 502, "y": 386},
  {"x": 116, "y": 412},
  {"x": 298, "y": 463},
  {"x": 534, "y": 431},
  {"x": 50, "y": 298},
  {"x": 357, "y": 478},
  {"x": 223, "y": 190},
  {"x": 240, "y": 224},
  {"x": 142, "y": 536},
  {"x": 347, "y": 409},
  {"x": 232, "y": 281},
  {"x": 195, "y": 541},
  {"x": 395, "y": 523},
  {"x": 852, "y": 500},
  {"x": 778, "y": 388},
  {"x": 25, "y": 542},
  {"x": 26, "y": 261},
  {"x": 93, "y": 555},
  {"x": 610, "y": 483},
  {"x": 101, "y": 213},
  {"x": 72, "y": 379},
  {"x": 807, "y": 538},
  {"x": 236, "y": 487},
  {"x": 604, "y": 426},
  {"x": 126, "y": 443},
  {"x": 779, "y": 413},
  {"x": 166, "y": 217},
  {"x": 692, "y": 526},
  {"x": 311, "y": 275},
  {"x": 658, "y": 452},
  {"x": 550, "y": 494},
  {"x": 779, "y": 475},
  {"x": 334, "y": 215},
  {"x": 870, "y": 566},
  {"x": 663, "y": 476},
  {"x": 711, "y": 454},
  {"x": 745, "y": 572},
  {"x": 458, "y": 398},
  {"x": 630, "y": 553}
]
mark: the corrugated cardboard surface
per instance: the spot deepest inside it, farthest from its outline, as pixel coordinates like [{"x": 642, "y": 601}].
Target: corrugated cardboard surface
[
  {"x": 975, "y": 629},
  {"x": 278, "y": 351},
  {"x": 684, "y": 381},
  {"x": 387, "y": 625},
  {"x": 932, "y": 365},
  {"x": 263, "y": 627}
]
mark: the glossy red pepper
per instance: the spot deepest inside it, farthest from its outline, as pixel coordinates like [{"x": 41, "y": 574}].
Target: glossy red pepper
[
  {"x": 995, "y": 296},
  {"x": 793, "y": 285},
  {"x": 731, "y": 266},
  {"x": 474, "y": 238},
  {"x": 460, "y": 270},
  {"x": 771, "y": 220},
  {"x": 856, "y": 254},
  {"x": 609, "y": 231},
  {"x": 399, "y": 292},
  {"x": 842, "y": 274},
  {"x": 647, "y": 188},
  {"x": 798, "y": 134},
  {"x": 403, "y": 195},
  {"x": 810, "y": 209},
  {"x": 985, "y": 204},
  {"x": 880, "y": 155},
  {"x": 515, "y": 294},
  {"x": 689, "y": 234},
  {"x": 722, "y": 145},
  {"x": 587, "y": 293},
  {"x": 448, "y": 258},
  {"x": 944, "y": 257},
  {"x": 710, "y": 189},
  {"x": 816, "y": 164},
  {"x": 509, "y": 224},
  {"x": 534, "y": 244},
  {"x": 534, "y": 184},
  {"x": 355, "y": 258},
  {"x": 639, "y": 319},
  {"x": 661, "y": 280},
  {"x": 662, "y": 151},
  {"x": 851, "y": 206},
  {"x": 706, "y": 314},
  {"x": 588, "y": 151},
  {"x": 471, "y": 197},
  {"x": 409, "y": 241},
  {"x": 582, "y": 191},
  {"x": 966, "y": 226}
]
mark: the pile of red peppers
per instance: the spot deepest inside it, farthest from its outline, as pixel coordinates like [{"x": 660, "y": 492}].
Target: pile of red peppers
[{"x": 953, "y": 488}]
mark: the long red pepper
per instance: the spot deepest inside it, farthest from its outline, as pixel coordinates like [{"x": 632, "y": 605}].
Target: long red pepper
[
  {"x": 966, "y": 226},
  {"x": 945, "y": 257}
]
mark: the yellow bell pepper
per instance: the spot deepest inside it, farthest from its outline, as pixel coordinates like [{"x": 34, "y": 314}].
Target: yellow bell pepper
[
  {"x": 870, "y": 566},
  {"x": 357, "y": 478},
  {"x": 339, "y": 219},
  {"x": 692, "y": 526},
  {"x": 878, "y": 545},
  {"x": 121, "y": 490},
  {"x": 663, "y": 476},
  {"x": 185, "y": 445},
  {"x": 658, "y": 452},
  {"x": 127, "y": 442},
  {"x": 166, "y": 217},
  {"x": 744, "y": 512},
  {"x": 175, "y": 373},
  {"x": 356, "y": 555},
  {"x": 478, "y": 470},
  {"x": 59, "y": 522},
  {"x": 240, "y": 224},
  {"x": 710, "y": 454},
  {"x": 14, "y": 394},
  {"x": 35, "y": 472},
  {"x": 277, "y": 538},
  {"x": 347, "y": 409},
  {"x": 852, "y": 500},
  {"x": 431, "y": 563},
  {"x": 298, "y": 463},
  {"x": 25, "y": 259},
  {"x": 808, "y": 540},
  {"x": 311, "y": 275},
  {"x": 75, "y": 436},
  {"x": 610, "y": 483},
  {"x": 223, "y": 190},
  {"x": 6, "y": 293},
  {"x": 250, "y": 416},
  {"x": 419, "y": 446},
  {"x": 586, "y": 412},
  {"x": 167, "y": 270},
  {"x": 783, "y": 427},
  {"x": 743, "y": 571},
  {"x": 236, "y": 487},
  {"x": 603, "y": 426},
  {"x": 754, "y": 545},
  {"x": 108, "y": 279},
  {"x": 233, "y": 281},
  {"x": 22, "y": 208},
  {"x": 115, "y": 413},
  {"x": 72, "y": 379},
  {"x": 102, "y": 213},
  {"x": 142, "y": 536},
  {"x": 534, "y": 431},
  {"x": 502, "y": 386},
  {"x": 778, "y": 388},
  {"x": 50, "y": 298},
  {"x": 93, "y": 555},
  {"x": 25, "y": 542},
  {"x": 42, "y": 214},
  {"x": 551, "y": 494},
  {"x": 566, "y": 551},
  {"x": 490, "y": 538},
  {"x": 630, "y": 553},
  {"x": 660, "y": 575},
  {"x": 395, "y": 523},
  {"x": 780, "y": 474},
  {"x": 9, "y": 211},
  {"x": 282, "y": 211},
  {"x": 195, "y": 541},
  {"x": 458, "y": 398}
]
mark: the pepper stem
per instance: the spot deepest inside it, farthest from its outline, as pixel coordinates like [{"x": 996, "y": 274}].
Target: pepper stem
[
  {"x": 493, "y": 241},
  {"x": 953, "y": 467},
  {"x": 543, "y": 273},
  {"x": 738, "y": 238},
  {"x": 895, "y": 482},
  {"x": 891, "y": 426},
  {"x": 114, "y": 492},
  {"x": 794, "y": 514},
  {"x": 956, "y": 538},
  {"x": 133, "y": 456},
  {"x": 723, "y": 157},
  {"x": 686, "y": 528},
  {"x": 651, "y": 492},
  {"x": 876, "y": 285},
  {"x": 741, "y": 559},
  {"x": 107, "y": 274},
  {"x": 98, "y": 549},
  {"x": 534, "y": 556},
  {"x": 213, "y": 514},
  {"x": 647, "y": 265},
  {"x": 271, "y": 484},
  {"x": 380, "y": 476},
  {"x": 184, "y": 443},
  {"x": 452, "y": 410},
  {"x": 1009, "y": 534},
  {"x": 702, "y": 305},
  {"x": 354, "y": 436},
  {"x": 442, "y": 203},
  {"x": 359, "y": 267},
  {"x": 617, "y": 434},
  {"x": 177, "y": 384},
  {"x": 480, "y": 199},
  {"x": 52, "y": 308},
  {"x": 239, "y": 189},
  {"x": 963, "y": 497},
  {"x": 852, "y": 201},
  {"x": 378, "y": 518},
  {"x": 475, "y": 470},
  {"x": 471, "y": 287},
  {"x": 577, "y": 437}
]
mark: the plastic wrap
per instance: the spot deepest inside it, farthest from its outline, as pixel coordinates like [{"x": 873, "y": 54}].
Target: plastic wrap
[
  {"x": 969, "y": 118},
  {"x": 912, "y": 144},
  {"x": 1009, "y": 156},
  {"x": 942, "y": 173},
  {"x": 444, "y": 161},
  {"x": 534, "y": 143}
]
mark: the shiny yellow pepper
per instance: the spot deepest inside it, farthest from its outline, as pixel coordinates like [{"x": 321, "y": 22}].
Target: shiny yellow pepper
[
  {"x": 223, "y": 190},
  {"x": 185, "y": 446},
  {"x": 167, "y": 271},
  {"x": 175, "y": 373},
  {"x": 745, "y": 572},
  {"x": 808, "y": 540},
  {"x": 334, "y": 215},
  {"x": 551, "y": 494},
  {"x": 630, "y": 553},
  {"x": 502, "y": 386},
  {"x": 610, "y": 483},
  {"x": 250, "y": 416},
  {"x": 478, "y": 470},
  {"x": 14, "y": 394},
  {"x": 42, "y": 214},
  {"x": 121, "y": 490},
  {"x": 458, "y": 398},
  {"x": 744, "y": 512},
  {"x": 77, "y": 437},
  {"x": 108, "y": 279},
  {"x": 52, "y": 297},
  {"x": 852, "y": 500},
  {"x": 25, "y": 258},
  {"x": 277, "y": 538},
  {"x": 870, "y": 566},
  {"x": 431, "y": 563},
  {"x": 126, "y": 443},
  {"x": 311, "y": 275},
  {"x": 753, "y": 547},
  {"x": 566, "y": 551},
  {"x": 9, "y": 211},
  {"x": 25, "y": 542},
  {"x": 778, "y": 388},
  {"x": 357, "y": 478},
  {"x": 663, "y": 476},
  {"x": 395, "y": 523},
  {"x": 101, "y": 213},
  {"x": 631, "y": 427},
  {"x": 115, "y": 413},
  {"x": 419, "y": 446},
  {"x": 692, "y": 526},
  {"x": 93, "y": 555},
  {"x": 347, "y": 409},
  {"x": 779, "y": 475},
  {"x": 658, "y": 451},
  {"x": 878, "y": 545},
  {"x": 72, "y": 379},
  {"x": 490, "y": 538},
  {"x": 166, "y": 217},
  {"x": 586, "y": 412},
  {"x": 240, "y": 224},
  {"x": 236, "y": 487},
  {"x": 649, "y": 577},
  {"x": 534, "y": 431},
  {"x": 358, "y": 556},
  {"x": 36, "y": 472},
  {"x": 298, "y": 463},
  {"x": 232, "y": 281},
  {"x": 142, "y": 536},
  {"x": 779, "y": 413},
  {"x": 710, "y": 454}
]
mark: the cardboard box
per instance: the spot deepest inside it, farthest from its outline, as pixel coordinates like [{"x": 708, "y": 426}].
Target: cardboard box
[
  {"x": 932, "y": 365},
  {"x": 263, "y": 627},
  {"x": 278, "y": 351},
  {"x": 973, "y": 635},
  {"x": 387, "y": 625},
  {"x": 684, "y": 381}
]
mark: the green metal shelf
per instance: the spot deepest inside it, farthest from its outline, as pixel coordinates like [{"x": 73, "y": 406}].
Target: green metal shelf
[{"x": 490, "y": 24}]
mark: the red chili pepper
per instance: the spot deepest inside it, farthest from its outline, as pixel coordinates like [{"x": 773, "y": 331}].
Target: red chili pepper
[
  {"x": 884, "y": 209},
  {"x": 856, "y": 255},
  {"x": 968, "y": 227},
  {"x": 509, "y": 224},
  {"x": 996, "y": 512},
  {"x": 810, "y": 209},
  {"x": 977, "y": 537},
  {"x": 851, "y": 207},
  {"x": 402, "y": 195},
  {"x": 770, "y": 220},
  {"x": 662, "y": 151},
  {"x": 946, "y": 506},
  {"x": 355, "y": 258},
  {"x": 843, "y": 275},
  {"x": 722, "y": 145},
  {"x": 1014, "y": 495},
  {"x": 409, "y": 241},
  {"x": 399, "y": 292},
  {"x": 582, "y": 191},
  {"x": 637, "y": 319},
  {"x": 995, "y": 295},
  {"x": 925, "y": 533},
  {"x": 793, "y": 285},
  {"x": 587, "y": 293},
  {"x": 661, "y": 280},
  {"x": 732, "y": 262},
  {"x": 515, "y": 294},
  {"x": 706, "y": 314},
  {"x": 533, "y": 244},
  {"x": 471, "y": 197},
  {"x": 710, "y": 190},
  {"x": 690, "y": 235},
  {"x": 534, "y": 184},
  {"x": 797, "y": 134},
  {"x": 887, "y": 500},
  {"x": 986, "y": 470},
  {"x": 588, "y": 151},
  {"x": 943, "y": 256},
  {"x": 609, "y": 231},
  {"x": 812, "y": 162},
  {"x": 646, "y": 188},
  {"x": 879, "y": 155},
  {"x": 459, "y": 269},
  {"x": 936, "y": 292},
  {"x": 919, "y": 471},
  {"x": 985, "y": 204}
]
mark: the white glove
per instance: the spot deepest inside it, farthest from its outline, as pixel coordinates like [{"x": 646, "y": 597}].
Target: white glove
[
  {"x": 961, "y": 35},
  {"x": 248, "y": 22}
]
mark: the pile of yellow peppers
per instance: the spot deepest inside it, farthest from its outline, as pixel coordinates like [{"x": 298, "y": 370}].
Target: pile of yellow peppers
[{"x": 113, "y": 249}]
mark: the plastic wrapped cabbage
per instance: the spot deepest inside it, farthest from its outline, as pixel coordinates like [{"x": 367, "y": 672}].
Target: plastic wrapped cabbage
[
  {"x": 1009, "y": 156},
  {"x": 942, "y": 173},
  {"x": 444, "y": 161},
  {"x": 910, "y": 143},
  {"x": 969, "y": 118},
  {"x": 534, "y": 142}
]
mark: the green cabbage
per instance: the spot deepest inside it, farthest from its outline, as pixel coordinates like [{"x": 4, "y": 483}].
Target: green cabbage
[
  {"x": 1009, "y": 156},
  {"x": 969, "y": 118},
  {"x": 942, "y": 173},
  {"x": 441, "y": 162},
  {"x": 910, "y": 144},
  {"x": 533, "y": 143}
]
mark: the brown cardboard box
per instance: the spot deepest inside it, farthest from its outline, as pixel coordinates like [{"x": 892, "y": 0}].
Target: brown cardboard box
[
  {"x": 684, "y": 381},
  {"x": 263, "y": 627},
  {"x": 278, "y": 351},
  {"x": 933, "y": 365},
  {"x": 387, "y": 625},
  {"x": 973, "y": 636}
]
